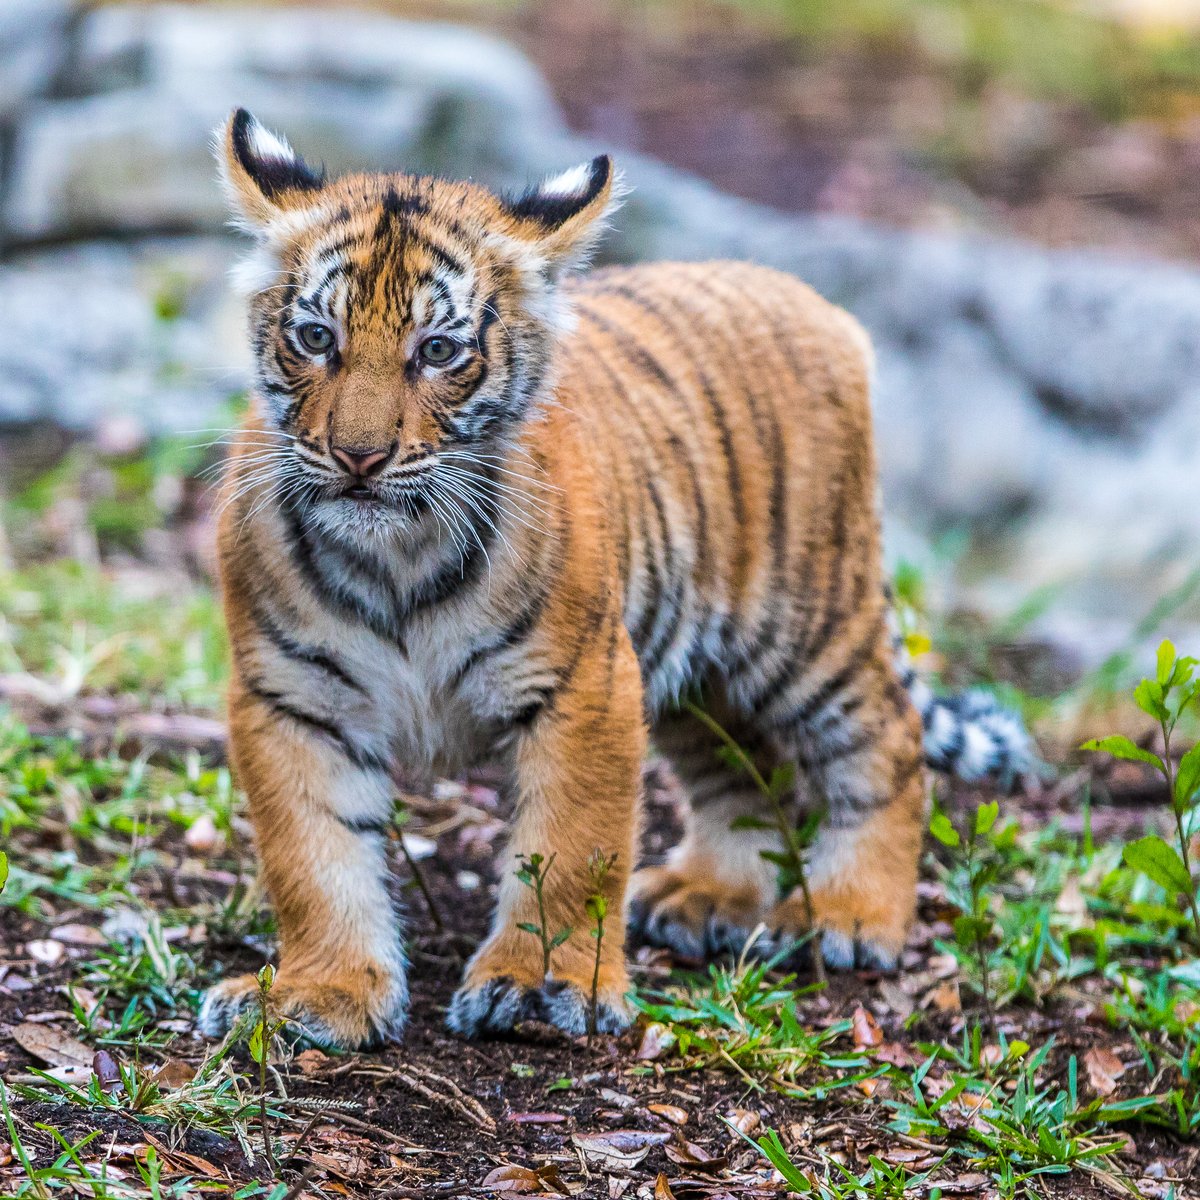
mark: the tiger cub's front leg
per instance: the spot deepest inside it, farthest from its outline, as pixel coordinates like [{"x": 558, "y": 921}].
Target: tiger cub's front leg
[
  {"x": 321, "y": 808},
  {"x": 578, "y": 783}
]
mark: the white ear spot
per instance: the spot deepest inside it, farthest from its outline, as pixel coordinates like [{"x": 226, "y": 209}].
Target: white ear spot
[
  {"x": 266, "y": 144},
  {"x": 572, "y": 182}
]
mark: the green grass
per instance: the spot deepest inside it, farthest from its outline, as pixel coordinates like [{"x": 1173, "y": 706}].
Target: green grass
[
  {"x": 1048, "y": 49},
  {"x": 85, "y": 629}
]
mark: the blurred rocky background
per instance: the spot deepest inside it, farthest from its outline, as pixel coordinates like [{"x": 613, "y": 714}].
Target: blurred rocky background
[{"x": 1004, "y": 191}]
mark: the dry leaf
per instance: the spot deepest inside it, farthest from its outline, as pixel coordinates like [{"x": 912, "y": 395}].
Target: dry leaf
[
  {"x": 620, "y": 1148},
  {"x": 896, "y": 998},
  {"x": 1104, "y": 1068},
  {"x": 944, "y": 997},
  {"x": 1071, "y": 902},
  {"x": 662, "y": 1189},
  {"x": 744, "y": 1120},
  {"x": 536, "y": 1118},
  {"x": 79, "y": 935},
  {"x": 52, "y": 1046},
  {"x": 105, "y": 1068},
  {"x": 311, "y": 1061},
  {"x": 203, "y": 836},
  {"x": 689, "y": 1154},
  {"x": 174, "y": 1073},
  {"x": 78, "y": 1074},
  {"x": 46, "y": 950},
  {"x": 866, "y": 1029},
  {"x": 514, "y": 1180},
  {"x": 897, "y": 1054},
  {"x": 655, "y": 1041},
  {"x": 669, "y": 1112}
]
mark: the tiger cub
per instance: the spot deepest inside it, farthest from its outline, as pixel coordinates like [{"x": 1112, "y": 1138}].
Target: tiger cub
[{"x": 483, "y": 510}]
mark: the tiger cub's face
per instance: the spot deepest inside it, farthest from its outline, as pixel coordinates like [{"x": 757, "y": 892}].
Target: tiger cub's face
[{"x": 402, "y": 327}]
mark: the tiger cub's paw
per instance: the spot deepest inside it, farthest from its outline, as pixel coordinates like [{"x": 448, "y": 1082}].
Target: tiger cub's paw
[
  {"x": 693, "y": 916},
  {"x": 331, "y": 1016},
  {"x": 851, "y": 934},
  {"x": 496, "y": 1000}
]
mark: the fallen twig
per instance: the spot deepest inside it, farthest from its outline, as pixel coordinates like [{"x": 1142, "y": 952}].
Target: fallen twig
[{"x": 426, "y": 1083}]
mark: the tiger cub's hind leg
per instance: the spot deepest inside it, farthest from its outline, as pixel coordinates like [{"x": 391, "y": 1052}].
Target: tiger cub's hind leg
[
  {"x": 715, "y": 886},
  {"x": 852, "y": 724}
]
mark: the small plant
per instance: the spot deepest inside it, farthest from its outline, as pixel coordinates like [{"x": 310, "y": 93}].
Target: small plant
[
  {"x": 1166, "y": 697},
  {"x": 975, "y": 927},
  {"x": 259, "y": 1046},
  {"x": 793, "y": 839},
  {"x": 773, "y": 1150},
  {"x": 599, "y": 865},
  {"x": 533, "y": 872}
]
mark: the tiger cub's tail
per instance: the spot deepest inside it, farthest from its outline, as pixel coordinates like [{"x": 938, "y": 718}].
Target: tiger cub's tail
[{"x": 969, "y": 735}]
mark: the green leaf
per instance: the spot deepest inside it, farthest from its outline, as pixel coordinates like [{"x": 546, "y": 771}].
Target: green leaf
[
  {"x": 778, "y": 857},
  {"x": 782, "y": 780},
  {"x": 777, "y": 1156},
  {"x": 1187, "y": 781},
  {"x": 1160, "y": 862},
  {"x": 969, "y": 930},
  {"x": 1122, "y": 747},
  {"x": 3, "y": 869},
  {"x": 529, "y": 928},
  {"x": 560, "y": 937},
  {"x": 596, "y": 907},
  {"x": 1149, "y": 697},
  {"x": 1166, "y": 661},
  {"x": 255, "y": 1043},
  {"x": 985, "y": 817},
  {"x": 266, "y": 977},
  {"x": 749, "y": 822},
  {"x": 943, "y": 830}
]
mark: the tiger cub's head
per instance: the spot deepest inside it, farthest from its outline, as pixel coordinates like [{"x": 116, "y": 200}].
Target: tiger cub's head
[{"x": 401, "y": 326}]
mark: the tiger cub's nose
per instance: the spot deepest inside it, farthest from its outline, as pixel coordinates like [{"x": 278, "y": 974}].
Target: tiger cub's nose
[{"x": 362, "y": 463}]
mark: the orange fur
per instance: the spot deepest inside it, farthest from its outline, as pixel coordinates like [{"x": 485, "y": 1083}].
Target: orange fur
[{"x": 615, "y": 492}]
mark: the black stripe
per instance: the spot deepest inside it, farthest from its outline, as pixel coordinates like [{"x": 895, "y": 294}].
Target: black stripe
[
  {"x": 717, "y": 412},
  {"x": 334, "y": 593},
  {"x": 631, "y": 349},
  {"x": 513, "y": 634},
  {"x": 363, "y": 759},
  {"x": 291, "y": 648},
  {"x": 376, "y": 825},
  {"x": 836, "y": 683}
]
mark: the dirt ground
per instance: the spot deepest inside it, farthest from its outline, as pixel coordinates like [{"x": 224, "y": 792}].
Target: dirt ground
[{"x": 535, "y": 1113}]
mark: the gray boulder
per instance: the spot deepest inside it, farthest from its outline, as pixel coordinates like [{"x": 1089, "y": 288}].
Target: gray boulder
[{"x": 33, "y": 48}]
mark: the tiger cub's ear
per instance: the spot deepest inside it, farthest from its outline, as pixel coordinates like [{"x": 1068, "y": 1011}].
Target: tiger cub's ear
[
  {"x": 564, "y": 216},
  {"x": 263, "y": 176}
]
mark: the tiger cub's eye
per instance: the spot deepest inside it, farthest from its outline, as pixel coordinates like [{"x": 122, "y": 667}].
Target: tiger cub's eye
[
  {"x": 438, "y": 350},
  {"x": 317, "y": 339}
]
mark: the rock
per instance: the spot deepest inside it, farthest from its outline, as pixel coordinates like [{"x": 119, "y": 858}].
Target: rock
[
  {"x": 352, "y": 91},
  {"x": 118, "y": 354},
  {"x": 33, "y": 47}
]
